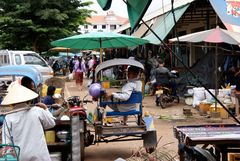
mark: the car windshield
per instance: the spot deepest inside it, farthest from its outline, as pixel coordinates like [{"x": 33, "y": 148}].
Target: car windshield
[{"x": 34, "y": 60}]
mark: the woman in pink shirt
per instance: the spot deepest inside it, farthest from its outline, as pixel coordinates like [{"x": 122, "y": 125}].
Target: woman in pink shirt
[{"x": 79, "y": 69}]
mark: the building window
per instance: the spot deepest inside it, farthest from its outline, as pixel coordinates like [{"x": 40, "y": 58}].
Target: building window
[
  {"x": 112, "y": 27},
  {"x": 94, "y": 26},
  {"x": 103, "y": 26},
  {"x": 86, "y": 26}
]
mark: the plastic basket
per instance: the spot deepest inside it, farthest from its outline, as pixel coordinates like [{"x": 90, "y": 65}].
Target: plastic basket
[{"x": 9, "y": 152}]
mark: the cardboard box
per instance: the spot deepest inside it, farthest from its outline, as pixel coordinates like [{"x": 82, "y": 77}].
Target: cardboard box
[{"x": 234, "y": 157}]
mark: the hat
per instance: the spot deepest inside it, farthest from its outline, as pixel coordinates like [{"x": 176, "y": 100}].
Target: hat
[{"x": 17, "y": 94}]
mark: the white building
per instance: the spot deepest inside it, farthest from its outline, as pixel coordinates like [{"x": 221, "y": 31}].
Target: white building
[{"x": 107, "y": 23}]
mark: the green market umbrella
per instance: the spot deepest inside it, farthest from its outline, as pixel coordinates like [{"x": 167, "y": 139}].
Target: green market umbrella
[{"x": 99, "y": 40}]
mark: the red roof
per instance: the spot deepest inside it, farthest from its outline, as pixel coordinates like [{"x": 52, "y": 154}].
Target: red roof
[{"x": 101, "y": 19}]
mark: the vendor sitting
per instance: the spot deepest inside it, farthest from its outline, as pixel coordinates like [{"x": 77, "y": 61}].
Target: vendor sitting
[
  {"x": 49, "y": 100},
  {"x": 133, "y": 84}
]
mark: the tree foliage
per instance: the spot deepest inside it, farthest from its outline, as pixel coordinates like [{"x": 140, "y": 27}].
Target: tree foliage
[{"x": 33, "y": 24}]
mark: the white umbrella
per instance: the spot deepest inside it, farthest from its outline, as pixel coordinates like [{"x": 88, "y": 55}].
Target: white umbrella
[{"x": 216, "y": 35}]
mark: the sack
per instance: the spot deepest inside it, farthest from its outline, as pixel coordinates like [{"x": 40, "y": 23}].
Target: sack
[
  {"x": 70, "y": 76},
  {"x": 74, "y": 75}
]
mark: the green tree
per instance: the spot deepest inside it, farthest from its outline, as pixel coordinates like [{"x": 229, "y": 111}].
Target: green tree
[{"x": 33, "y": 24}]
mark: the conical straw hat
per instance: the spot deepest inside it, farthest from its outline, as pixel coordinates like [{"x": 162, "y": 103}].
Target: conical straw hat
[{"x": 17, "y": 94}]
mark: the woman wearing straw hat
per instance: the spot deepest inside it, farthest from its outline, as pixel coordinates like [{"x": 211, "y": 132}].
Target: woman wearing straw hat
[{"x": 24, "y": 125}]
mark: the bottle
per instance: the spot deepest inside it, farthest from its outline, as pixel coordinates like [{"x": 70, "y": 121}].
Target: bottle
[{"x": 90, "y": 117}]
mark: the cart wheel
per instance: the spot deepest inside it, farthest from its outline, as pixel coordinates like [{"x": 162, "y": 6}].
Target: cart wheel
[
  {"x": 150, "y": 141},
  {"x": 150, "y": 150}
]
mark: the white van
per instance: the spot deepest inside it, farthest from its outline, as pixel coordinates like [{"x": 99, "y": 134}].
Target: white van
[{"x": 16, "y": 57}]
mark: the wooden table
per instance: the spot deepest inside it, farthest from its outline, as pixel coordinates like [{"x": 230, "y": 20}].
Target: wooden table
[{"x": 225, "y": 138}]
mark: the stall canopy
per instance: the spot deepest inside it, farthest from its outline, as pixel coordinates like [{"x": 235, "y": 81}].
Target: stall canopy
[
  {"x": 142, "y": 29},
  {"x": 229, "y": 13},
  {"x": 136, "y": 9},
  {"x": 164, "y": 24}
]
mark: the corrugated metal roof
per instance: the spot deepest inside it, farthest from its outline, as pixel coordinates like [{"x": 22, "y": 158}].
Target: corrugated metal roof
[{"x": 157, "y": 13}]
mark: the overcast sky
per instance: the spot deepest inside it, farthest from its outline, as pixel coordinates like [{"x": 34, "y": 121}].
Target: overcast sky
[{"x": 120, "y": 9}]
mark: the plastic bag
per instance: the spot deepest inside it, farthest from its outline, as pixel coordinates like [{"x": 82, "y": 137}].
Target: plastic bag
[{"x": 9, "y": 152}]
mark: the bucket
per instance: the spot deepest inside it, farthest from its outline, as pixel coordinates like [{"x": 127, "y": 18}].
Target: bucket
[
  {"x": 220, "y": 109},
  {"x": 204, "y": 108},
  {"x": 234, "y": 157},
  {"x": 198, "y": 95},
  {"x": 106, "y": 84},
  {"x": 50, "y": 136}
]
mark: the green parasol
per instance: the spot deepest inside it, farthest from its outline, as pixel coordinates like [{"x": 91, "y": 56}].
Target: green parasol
[{"x": 99, "y": 40}]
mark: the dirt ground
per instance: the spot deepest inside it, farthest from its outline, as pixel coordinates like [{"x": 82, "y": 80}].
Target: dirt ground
[{"x": 164, "y": 121}]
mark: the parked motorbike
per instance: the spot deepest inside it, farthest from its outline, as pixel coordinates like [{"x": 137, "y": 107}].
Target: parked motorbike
[
  {"x": 164, "y": 95},
  {"x": 81, "y": 136}
]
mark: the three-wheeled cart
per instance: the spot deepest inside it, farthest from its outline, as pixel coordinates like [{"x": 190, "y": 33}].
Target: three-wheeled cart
[{"x": 105, "y": 126}]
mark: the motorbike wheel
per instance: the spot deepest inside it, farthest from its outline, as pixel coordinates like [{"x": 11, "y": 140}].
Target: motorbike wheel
[
  {"x": 77, "y": 139},
  {"x": 157, "y": 100},
  {"x": 162, "y": 101}
]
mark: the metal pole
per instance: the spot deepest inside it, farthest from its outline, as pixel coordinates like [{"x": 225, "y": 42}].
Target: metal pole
[{"x": 216, "y": 75}]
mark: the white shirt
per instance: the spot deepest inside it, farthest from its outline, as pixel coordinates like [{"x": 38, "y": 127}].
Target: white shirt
[
  {"x": 90, "y": 63},
  {"x": 27, "y": 129},
  {"x": 127, "y": 89}
]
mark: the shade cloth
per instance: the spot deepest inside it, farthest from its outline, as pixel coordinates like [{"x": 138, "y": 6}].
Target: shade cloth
[
  {"x": 142, "y": 29},
  {"x": 164, "y": 24},
  {"x": 136, "y": 10}
]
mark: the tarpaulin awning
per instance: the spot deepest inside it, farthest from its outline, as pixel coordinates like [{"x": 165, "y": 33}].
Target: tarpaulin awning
[
  {"x": 164, "y": 24},
  {"x": 229, "y": 13},
  {"x": 136, "y": 10},
  {"x": 105, "y": 4},
  {"x": 142, "y": 29}
]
